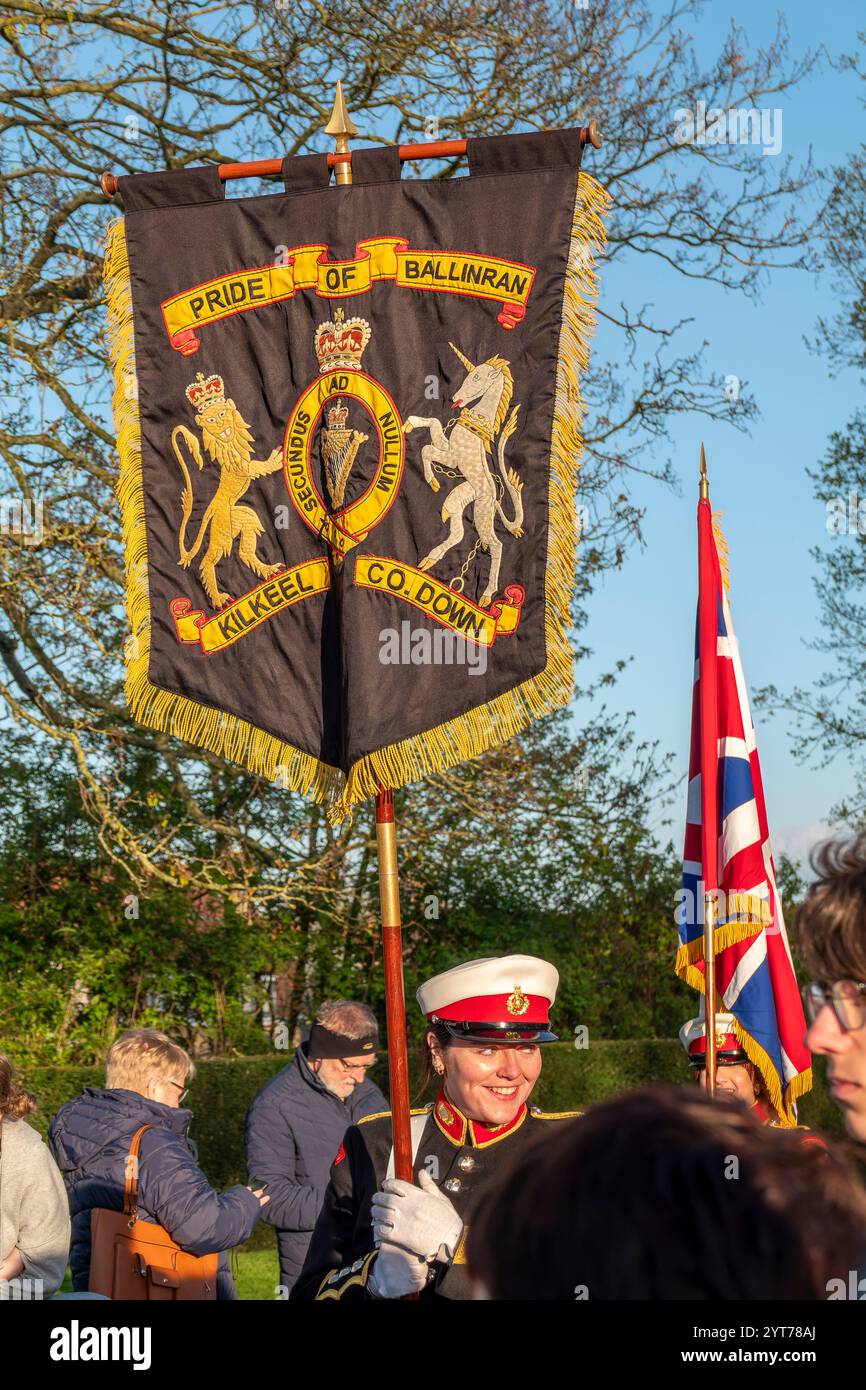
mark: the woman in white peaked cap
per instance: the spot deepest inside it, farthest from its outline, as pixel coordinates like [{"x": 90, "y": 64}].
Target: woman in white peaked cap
[{"x": 380, "y": 1237}]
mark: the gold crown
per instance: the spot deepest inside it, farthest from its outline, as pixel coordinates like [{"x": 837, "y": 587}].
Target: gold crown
[
  {"x": 337, "y": 416},
  {"x": 203, "y": 390},
  {"x": 339, "y": 344}
]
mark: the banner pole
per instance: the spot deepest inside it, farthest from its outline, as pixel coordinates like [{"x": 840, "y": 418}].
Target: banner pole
[
  {"x": 395, "y": 1001},
  {"x": 342, "y": 157},
  {"x": 707, "y": 654},
  {"x": 341, "y": 127}
]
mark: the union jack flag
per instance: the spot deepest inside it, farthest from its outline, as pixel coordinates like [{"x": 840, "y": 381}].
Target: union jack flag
[{"x": 755, "y": 978}]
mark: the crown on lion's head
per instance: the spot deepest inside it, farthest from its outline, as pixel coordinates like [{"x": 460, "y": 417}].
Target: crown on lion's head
[
  {"x": 339, "y": 344},
  {"x": 205, "y": 390}
]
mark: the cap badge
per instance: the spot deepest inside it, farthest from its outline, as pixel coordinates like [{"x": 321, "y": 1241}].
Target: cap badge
[
  {"x": 517, "y": 1002},
  {"x": 721, "y": 1037}
]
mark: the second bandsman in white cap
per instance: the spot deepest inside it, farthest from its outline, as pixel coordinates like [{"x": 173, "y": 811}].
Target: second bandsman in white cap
[
  {"x": 380, "y": 1237},
  {"x": 736, "y": 1076}
]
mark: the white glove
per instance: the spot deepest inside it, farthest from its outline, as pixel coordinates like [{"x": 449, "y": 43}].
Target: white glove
[
  {"x": 396, "y": 1273},
  {"x": 419, "y": 1219}
]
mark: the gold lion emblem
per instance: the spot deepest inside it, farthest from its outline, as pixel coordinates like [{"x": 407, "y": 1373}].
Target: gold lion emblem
[{"x": 228, "y": 442}]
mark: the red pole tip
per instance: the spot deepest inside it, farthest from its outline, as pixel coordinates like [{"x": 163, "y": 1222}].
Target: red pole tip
[{"x": 385, "y": 805}]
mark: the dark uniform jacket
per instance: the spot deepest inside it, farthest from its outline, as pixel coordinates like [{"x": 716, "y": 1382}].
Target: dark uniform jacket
[
  {"x": 293, "y": 1130},
  {"x": 459, "y": 1155}
]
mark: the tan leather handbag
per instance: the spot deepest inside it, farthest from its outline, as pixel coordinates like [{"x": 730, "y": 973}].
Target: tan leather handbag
[{"x": 134, "y": 1259}]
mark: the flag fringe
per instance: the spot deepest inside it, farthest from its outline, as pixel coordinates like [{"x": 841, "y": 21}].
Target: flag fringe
[
  {"x": 444, "y": 746},
  {"x": 722, "y": 550},
  {"x": 470, "y": 734},
  {"x": 226, "y": 735},
  {"x": 728, "y": 934}
]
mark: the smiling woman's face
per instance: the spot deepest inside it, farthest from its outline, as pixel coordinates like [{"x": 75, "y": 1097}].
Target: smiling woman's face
[{"x": 488, "y": 1081}]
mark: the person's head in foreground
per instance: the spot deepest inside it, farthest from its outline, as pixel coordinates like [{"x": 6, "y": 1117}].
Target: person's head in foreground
[
  {"x": 148, "y": 1062},
  {"x": 665, "y": 1193},
  {"x": 487, "y": 1020},
  {"x": 342, "y": 1045},
  {"x": 736, "y": 1077},
  {"x": 831, "y": 927}
]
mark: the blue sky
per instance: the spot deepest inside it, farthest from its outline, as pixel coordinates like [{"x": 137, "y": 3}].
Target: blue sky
[{"x": 757, "y": 480}]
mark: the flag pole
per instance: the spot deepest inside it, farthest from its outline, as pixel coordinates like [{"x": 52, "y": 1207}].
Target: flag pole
[
  {"x": 342, "y": 127},
  {"x": 707, "y": 656}
]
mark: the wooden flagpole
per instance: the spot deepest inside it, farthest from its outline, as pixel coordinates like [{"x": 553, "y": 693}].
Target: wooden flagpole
[
  {"x": 341, "y": 127},
  {"x": 707, "y": 647}
]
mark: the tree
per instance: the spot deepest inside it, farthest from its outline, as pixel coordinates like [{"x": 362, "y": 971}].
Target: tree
[
  {"x": 830, "y": 717},
  {"x": 171, "y": 83}
]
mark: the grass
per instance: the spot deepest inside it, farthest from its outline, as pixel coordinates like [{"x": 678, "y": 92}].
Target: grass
[{"x": 258, "y": 1273}]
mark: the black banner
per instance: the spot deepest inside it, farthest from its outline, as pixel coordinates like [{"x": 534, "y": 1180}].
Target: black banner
[{"x": 349, "y": 430}]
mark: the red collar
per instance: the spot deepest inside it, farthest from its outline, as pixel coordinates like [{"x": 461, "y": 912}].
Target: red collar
[{"x": 460, "y": 1130}]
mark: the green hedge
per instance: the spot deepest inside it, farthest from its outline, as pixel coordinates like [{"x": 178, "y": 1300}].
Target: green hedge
[{"x": 222, "y": 1090}]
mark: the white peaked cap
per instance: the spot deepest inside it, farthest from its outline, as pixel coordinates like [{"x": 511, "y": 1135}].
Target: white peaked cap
[
  {"x": 495, "y": 989},
  {"x": 697, "y": 1028}
]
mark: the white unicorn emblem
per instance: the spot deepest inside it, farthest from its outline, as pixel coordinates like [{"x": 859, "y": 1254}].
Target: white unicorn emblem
[{"x": 490, "y": 384}]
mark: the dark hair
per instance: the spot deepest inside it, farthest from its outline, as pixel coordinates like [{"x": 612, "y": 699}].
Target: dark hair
[
  {"x": 13, "y": 1101},
  {"x": 429, "y": 1075},
  {"x": 831, "y": 922},
  {"x": 638, "y": 1199}
]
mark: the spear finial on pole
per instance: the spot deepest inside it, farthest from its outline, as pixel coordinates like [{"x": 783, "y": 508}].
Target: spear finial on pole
[
  {"x": 341, "y": 126},
  {"x": 705, "y": 482}
]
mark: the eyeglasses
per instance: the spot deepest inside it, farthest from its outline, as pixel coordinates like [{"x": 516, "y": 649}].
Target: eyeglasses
[
  {"x": 846, "y": 998},
  {"x": 184, "y": 1090},
  {"x": 362, "y": 1067}
]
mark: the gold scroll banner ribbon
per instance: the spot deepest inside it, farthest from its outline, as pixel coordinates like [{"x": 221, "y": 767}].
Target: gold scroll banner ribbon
[
  {"x": 443, "y": 605},
  {"x": 253, "y": 609},
  {"x": 378, "y": 258}
]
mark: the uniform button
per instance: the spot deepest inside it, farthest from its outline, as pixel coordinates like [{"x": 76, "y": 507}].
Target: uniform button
[
  {"x": 466, "y": 1163},
  {"x": 451, "y": 1184}
]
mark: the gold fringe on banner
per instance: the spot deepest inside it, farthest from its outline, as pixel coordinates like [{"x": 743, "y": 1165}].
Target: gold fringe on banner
[
  {"x": 470, "y": 734},
  {"x": 448, "y": 744},
  {"x": 224, "y": 734}
]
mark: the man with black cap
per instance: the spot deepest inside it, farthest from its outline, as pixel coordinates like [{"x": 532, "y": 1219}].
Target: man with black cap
[
  {"x": 381, "y": 1237},
  {"x": 297, "y": 1121}
]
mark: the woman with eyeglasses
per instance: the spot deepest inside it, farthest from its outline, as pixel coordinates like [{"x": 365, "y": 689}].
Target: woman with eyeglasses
[
  {"x": 146, "y": 1078},
  {"x": 831, "y": 925}
]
